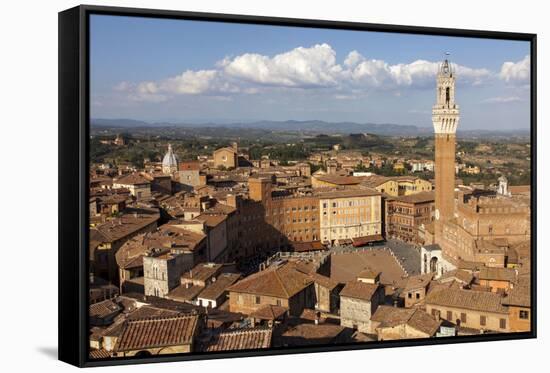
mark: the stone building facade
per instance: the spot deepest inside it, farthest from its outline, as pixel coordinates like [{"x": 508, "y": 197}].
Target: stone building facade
[
  {"x": 139, "y": 186},
  {"x": 405, "y": 216},
  {"x": 189, "y": 173},
  {"x": 107, "y": 238},
  {"x": 358, "y": 302},
  {"x": 162, "y": 269},
  {"x": 349, "y": 213},
  {"x": 295, "y": 217},
  {"x": 484, "y": 228},
  {"x": 479, "y": 310},
  {"x": 280, "y": 285},
  {"x": 225, "y": 157}
]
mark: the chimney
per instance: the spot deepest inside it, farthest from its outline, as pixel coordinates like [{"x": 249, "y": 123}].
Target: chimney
[{"x": 317, "y": 317}]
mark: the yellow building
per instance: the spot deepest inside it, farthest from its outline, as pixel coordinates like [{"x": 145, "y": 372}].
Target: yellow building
[
  {"x": 397, "y": 186},
  {"x": 225, "y": 157},
  {"x": 407, "y": 185},
  {"x": 349, "y": 213},
  {"x": 399, "y": 167}
]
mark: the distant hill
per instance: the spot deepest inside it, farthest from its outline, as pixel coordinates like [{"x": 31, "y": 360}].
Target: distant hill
[
  {"x": 311, "y": 126},
  {"x": 123, "y": 123}
]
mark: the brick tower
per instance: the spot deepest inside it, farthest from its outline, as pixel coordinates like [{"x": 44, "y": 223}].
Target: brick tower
[{"x": 445, "y": 117}]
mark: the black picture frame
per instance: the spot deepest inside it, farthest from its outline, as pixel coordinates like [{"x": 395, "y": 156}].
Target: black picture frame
[{"x": 74, "y": 109}]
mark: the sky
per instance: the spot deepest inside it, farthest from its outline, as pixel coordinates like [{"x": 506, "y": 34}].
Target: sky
[{"x": 196, "y": 72}]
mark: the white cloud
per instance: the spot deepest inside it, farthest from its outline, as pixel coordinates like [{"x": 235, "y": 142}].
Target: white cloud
[
  {"x": 516, "y": 72},
  {"x": 502, "y": 99},
  {"x": 188, "y": 83},
  {"x": 191, "y": 82},
  {"x": 300, "y": 67},
  {"x": 352, "y": 59},
  {"x": 420, "y": 73},
  {"x": 314, "y": 67}
]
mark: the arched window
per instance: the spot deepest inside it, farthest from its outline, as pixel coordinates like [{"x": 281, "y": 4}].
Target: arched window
[{"x": 447, "y": 95}]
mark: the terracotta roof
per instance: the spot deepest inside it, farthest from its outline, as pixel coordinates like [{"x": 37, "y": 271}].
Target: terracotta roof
[
  {"x": 470, "y": 266},
  {"x": 99, "y": 354},
  {"x": 104, "y": 308},
  {"x": 374, "y": 180},
  {"x": 424, "y": 322},
  {"x": 146, "y": 312},
  {"x": 468, "y": 299},
  {"x": 157, "y": 332},
  {"x": 368, "y": 273},
  {"x": 436, "y": 285},
  {"x": 312, "y": 315},
  {"x": 359, "y": 290},
  {"x": 269, "y": 312},
  {"x": 190, "y": 166},
  {"x": 164, "y": 237},
  {"x": 111, "y": 199},
  {"x": 324, "y": 281},
  {"x": 457, "y": 275},
  {"x": 212, "y": 220},
  {"x": 131, "y": 179},
  {"x": 217, "y": 288},
  {"x": 184, "y": 293},
  {"x": 240, "y": 339},
  {"x": 202, "y": 272},
  {"x": 281, "y": 281},
  {"x": 131, "y": 221},
  {"x": 418, "y": 281},
  {"x": 390, "y": 317},
  {"x": 308, "y": 246},
  {"x": 310, "y": 334},
  {"x": 340, "y": 180},
  {"x": 499, "y": 274},
  {"x": 519, "y": 295},
  {"x": 221, "y": 208},
  {"x": 421, "y": 197}
]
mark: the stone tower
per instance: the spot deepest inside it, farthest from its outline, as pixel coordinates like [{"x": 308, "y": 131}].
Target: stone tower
[{"x": 445, "y": 117}]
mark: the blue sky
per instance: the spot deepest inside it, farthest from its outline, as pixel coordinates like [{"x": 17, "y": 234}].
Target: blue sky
[{"x": 191, "y": 71}]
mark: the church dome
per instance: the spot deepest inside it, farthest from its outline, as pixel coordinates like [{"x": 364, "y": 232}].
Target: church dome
[{"x": 170, "y": 161}]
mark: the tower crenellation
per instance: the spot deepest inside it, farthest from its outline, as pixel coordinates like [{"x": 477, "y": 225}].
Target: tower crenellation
[{"x": 445, "y": 112}]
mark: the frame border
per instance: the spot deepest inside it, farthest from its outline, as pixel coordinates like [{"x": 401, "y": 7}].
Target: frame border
[{"x": 74, "y": 83}]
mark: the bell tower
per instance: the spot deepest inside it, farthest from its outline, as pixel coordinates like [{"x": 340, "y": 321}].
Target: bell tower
[{"x": 445, "y": 117}]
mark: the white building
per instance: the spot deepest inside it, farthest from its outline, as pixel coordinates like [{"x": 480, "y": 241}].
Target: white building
[
  {"x": 169, "y": 162},
  {"x": 432, "y": 261}
]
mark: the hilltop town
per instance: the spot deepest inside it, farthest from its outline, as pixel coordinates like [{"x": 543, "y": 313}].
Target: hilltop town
[{"x": 242, "y": 245}]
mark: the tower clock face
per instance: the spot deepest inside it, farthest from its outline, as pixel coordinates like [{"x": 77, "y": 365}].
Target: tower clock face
[{"x": 437, "y": 214}]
